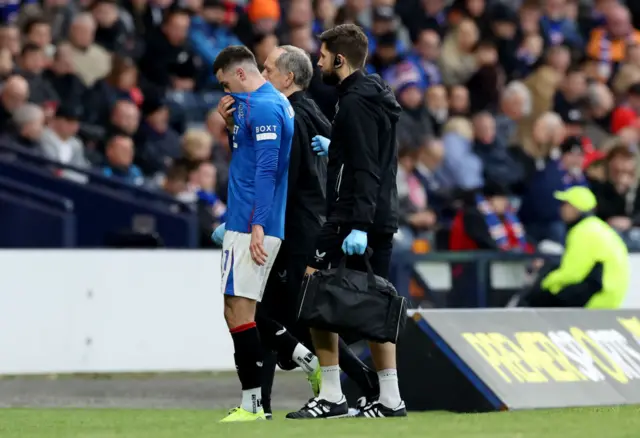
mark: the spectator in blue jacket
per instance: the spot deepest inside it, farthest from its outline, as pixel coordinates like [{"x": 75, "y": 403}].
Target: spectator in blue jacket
[
  {"x": 557, "y": 28},
  {"x": 424, "y": 56},
  {"x": 208, "y": 35},
  {"x": 561, "y": 170},
  {"x": 498, "y": 165},
  {"x": 119, "y": 161},
  {"x": 461, "y": 168}
]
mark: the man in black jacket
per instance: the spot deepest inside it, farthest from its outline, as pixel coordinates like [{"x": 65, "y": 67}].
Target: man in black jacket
[
  {"x": 290, "y": 70},
  {"x": 362, "y": 206}
]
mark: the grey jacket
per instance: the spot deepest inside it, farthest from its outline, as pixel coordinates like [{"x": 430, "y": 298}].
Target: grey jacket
[{"x": 69, "y": 152}]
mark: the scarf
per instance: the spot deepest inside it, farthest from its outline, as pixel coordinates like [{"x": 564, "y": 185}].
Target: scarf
[
  {"x": 555, "y": 30},
  {"x": 497, "y": 228},
  {"x": 570, "y": 179},
  {"x": 605, "y": 68},
  {"x": 417, "y": 192},
  {"x": 218, "y": 209}
]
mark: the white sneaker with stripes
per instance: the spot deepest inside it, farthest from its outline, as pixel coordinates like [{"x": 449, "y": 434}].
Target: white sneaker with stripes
[
  {"x": 319, "y": 408},
  {"x": 378, "y": 410}
]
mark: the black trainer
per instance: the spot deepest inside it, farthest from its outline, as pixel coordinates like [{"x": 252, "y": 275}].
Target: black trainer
[
  {"x": 319, "y": 408},
  {"x": 378, "y": 410}
]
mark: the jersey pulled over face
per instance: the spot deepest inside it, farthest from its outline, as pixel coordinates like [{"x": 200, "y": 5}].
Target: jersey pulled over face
[{"x": 258, "y": 174}]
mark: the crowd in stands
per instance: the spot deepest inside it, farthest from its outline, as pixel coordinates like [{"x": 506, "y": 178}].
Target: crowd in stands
[{"x": 505, "y": 101}]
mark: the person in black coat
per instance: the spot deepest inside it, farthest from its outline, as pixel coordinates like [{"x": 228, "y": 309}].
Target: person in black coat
[
  {"x": 166, "y": 47},
  {"x": 62, "y": 76},
  {"x": 157, "y": 145}
]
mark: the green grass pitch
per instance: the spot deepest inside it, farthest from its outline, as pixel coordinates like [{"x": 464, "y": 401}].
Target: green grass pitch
[{"x": 610, "y": 422}]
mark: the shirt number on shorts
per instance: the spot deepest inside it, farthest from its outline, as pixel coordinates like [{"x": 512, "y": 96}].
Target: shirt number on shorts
[{"x": 226, "y": 260}]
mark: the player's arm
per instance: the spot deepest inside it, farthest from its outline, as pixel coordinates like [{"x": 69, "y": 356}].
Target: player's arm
[
  {"x": 577, "y": 262},
  {"x": 361, "y": 134},
  {"x": 267, "y": 134}
]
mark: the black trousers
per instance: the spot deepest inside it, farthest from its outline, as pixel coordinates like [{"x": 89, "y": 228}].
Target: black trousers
[
  {"x": 575, "y": 295},
  {"x": 279, "y": 309}
]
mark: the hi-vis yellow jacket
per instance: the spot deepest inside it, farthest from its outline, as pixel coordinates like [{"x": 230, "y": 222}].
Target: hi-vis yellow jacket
[{"x": 593, "y": 241}]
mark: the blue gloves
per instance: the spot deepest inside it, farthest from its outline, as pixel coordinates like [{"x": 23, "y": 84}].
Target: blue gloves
[
  {"x": 355, "y": 243},
  {"x": 320, "y": 145},
  {"x": 218, "y": 234}
]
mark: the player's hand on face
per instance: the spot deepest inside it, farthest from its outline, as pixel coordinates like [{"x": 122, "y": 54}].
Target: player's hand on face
[
  {"x": 226, "y": 110},
  {"x": 258, "y": 253}
]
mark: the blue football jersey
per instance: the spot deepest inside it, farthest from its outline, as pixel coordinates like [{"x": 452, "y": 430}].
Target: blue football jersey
[{"x": 259, "y": 170}]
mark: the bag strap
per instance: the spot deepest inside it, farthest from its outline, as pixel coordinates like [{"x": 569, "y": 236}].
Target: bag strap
[{"x": 371, "y": 277}]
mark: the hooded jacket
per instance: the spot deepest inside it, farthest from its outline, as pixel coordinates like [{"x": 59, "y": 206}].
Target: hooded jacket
[
  {"x": 306, "y": 197},
  {"x": 363, "y": 162}
]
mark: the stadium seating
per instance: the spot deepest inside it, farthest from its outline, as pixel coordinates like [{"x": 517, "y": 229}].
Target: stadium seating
[
  {"x": 35, "y": 218},
  {"x": 103, "y": 206}
]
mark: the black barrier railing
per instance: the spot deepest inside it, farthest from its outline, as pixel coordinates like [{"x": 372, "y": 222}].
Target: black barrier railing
[{"x": 458, "y": 278}]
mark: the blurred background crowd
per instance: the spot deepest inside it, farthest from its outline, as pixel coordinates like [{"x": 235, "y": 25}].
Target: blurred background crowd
[{"x": 504, "y": 102}]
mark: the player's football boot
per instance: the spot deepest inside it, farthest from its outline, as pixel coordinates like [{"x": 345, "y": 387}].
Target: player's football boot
[
  {"x": 240, "y": 415},
  {"x": 378, "y": 410},
  {"x": 319, "y": 408},
  {"x": 315, "y": 379}
]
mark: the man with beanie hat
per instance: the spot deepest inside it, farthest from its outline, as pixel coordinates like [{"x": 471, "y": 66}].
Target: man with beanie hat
[
  {"x": 414, "y": 126},
  {"x": 594, "y": 271}
]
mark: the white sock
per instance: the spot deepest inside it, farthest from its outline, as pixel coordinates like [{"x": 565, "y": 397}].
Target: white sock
[
  {"x": 252, "y": 400},
  {"x": 389, "y": 391},
  {"x": 305, "y": 359},
  {"x": 330, "y": 389}
]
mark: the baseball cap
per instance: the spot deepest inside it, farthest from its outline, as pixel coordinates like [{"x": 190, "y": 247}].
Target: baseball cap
[
  {"x": 493, "y": 188},
  {"x": 634, "y": 89},
  {"x": 389, "y": 39},
  {"x": 69, "y": 112},
  {"x": 579, "y": 197},
  {"x": 212, "y": 4},
  {"x": 621, "y": 118},
  {"x": 152, "y": 103},
  {"x": 572, "y": 115},
  {"x": 383, "y": 13},
  {"x": 502, "y": 13},
  {"x": 572, "y": 144},
  {"x": 592, "y": 158}
]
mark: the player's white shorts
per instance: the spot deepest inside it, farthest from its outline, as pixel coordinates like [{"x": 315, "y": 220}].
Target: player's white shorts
[{"x": 241, "y": 277}]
